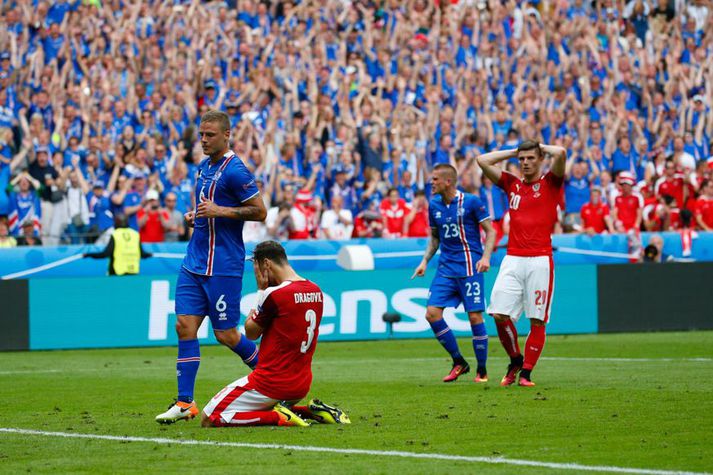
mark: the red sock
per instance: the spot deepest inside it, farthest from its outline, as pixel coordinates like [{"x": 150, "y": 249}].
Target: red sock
[
  {"x": 508, "y": 337},
  {"x": 533, "y": 346},
  {"x": 253, "y": 418},
  {"x": 302, "y": 411}
]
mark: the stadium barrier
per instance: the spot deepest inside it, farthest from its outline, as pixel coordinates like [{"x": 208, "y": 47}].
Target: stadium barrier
[
  {"x": 63, "y": 261},
  {"x": 139, "y": 310},
  {"x": 655, "y": 297}
]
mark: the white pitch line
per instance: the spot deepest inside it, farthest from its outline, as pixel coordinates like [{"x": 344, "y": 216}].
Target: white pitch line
[
  {"x": 370, "y": 360},
  {"x": 334, "y": 450}
]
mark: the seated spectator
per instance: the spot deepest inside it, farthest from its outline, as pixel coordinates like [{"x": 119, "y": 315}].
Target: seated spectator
[
  {"x": 393, "y": 210},
  {"x": 28, "y": 237},
  {"x": 5, "y": 239},
  {"x": 337, "y": 223},
  {"x": 704, "y": 207},
  {"x": 595, "y": 214},
  {"x": 627, "y": 209},
  {"x": 369, "y": 223}
]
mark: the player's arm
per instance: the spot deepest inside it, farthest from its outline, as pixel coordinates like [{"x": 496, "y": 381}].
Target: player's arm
[
  {"x": 433, "y": 243},
  {"x": 488, "y": 163},
  {"x": 251, "y": 210},
  {"x": 253, "y": 330},
  {"x": 559, "y": 158},
  {"x": 483, "y": 265}
]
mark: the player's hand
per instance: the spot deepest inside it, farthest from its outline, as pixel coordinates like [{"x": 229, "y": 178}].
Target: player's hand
[
  {"x": 483, "y": 265},
  {"x": 420, "y": 270},
  {"x": 190, "y": 218},
  {"x": 262, "y": 277},
  {"x": 207, "y": 209},
  {"x": 252, "y": 313}
]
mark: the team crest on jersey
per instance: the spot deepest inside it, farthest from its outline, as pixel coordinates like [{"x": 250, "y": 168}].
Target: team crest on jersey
[
  {"x": 438, "y": 215},
  {"x": 218, "y": 174},
  {"x": 461, "y": 211},
  {"x": 536, "y": 187}
]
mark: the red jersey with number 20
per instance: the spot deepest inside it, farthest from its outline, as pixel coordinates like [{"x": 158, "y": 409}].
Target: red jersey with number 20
[
  {"x": 533, "y": 213},
  {"x": 289, "y": 314}
]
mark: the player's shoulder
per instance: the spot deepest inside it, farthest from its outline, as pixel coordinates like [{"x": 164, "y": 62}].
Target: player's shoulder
[
  {"x": 436, "y": 200},
  {"x": 273, "y": 292}
]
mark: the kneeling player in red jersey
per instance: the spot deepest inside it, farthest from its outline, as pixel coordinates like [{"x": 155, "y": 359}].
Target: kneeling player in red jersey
[{"x": 288, "y": 313}]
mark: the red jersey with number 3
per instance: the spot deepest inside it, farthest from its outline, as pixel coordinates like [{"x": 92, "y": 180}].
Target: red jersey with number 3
[
  {"x": 289, "y": 314},
  {"x": 533, "y": 213}
]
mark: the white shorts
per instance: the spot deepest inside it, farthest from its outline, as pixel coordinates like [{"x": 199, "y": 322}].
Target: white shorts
[
  {"x": 524, "y": 284},
  {"x": 237, "y": 397}
]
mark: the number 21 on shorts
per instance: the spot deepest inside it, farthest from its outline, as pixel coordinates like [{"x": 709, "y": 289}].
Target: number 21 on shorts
[{"x": 540, "y": 297}]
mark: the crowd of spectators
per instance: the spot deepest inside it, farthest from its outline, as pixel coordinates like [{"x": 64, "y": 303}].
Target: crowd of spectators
[{"x": 341, "y": 109}]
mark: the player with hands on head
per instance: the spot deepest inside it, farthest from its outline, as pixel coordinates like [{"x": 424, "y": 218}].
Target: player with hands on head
[
  {"x": 286, "y": 317},
  {"x": 526, "y": 277},
  {"x": 455, "y": 219}
]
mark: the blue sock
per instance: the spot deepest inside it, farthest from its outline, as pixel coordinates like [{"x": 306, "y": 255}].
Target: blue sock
[
  {"x": 189, "y": 359},
  {"x": 480, "y": 344},
  {"x": 445, "y": 337},
  {"x": 246, "y": 350}
]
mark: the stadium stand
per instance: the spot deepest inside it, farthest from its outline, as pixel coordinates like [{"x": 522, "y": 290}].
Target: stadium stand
[{"x": 99, "y": 105}]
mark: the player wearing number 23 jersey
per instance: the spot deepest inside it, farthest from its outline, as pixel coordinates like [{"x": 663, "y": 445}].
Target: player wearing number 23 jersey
[
  {"x": 525, "y": 281},
  {"x": 455, "y": 219}
]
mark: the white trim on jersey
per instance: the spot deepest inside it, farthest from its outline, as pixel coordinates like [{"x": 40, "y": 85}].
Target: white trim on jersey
[
  {"x": 266, "y": 293},
  {"x": 211, "y": 221},
  {"x": 463, "y": 238}
]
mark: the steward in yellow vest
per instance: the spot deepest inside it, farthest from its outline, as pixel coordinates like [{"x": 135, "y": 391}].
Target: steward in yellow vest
[{"x": 124, "y": 249}]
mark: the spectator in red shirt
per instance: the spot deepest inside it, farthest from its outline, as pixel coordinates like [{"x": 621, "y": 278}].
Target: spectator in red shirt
[
  {"x": 671, "y": 183},
  {"x": 704, "y": 206},
  {"x": 153, "y": 221},
  {"x": 626, "y": 213},
  {"x": 416, "y": 221},
  {"x": 393, "y": 211},
  {"x": 663, "y": 215},
  {"x": 302, "y": 215},
  {"x": 368, "y": 223},
  {"x": 595, "y": 214}
]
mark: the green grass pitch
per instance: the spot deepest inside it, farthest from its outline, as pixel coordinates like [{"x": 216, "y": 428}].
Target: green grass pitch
[{"x": 622, "y": 401}]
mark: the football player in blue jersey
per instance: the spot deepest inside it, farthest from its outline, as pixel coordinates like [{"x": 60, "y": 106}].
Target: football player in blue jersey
[
  {"x": 210, "y": 280},
  {"x": 455, "y": 219}
]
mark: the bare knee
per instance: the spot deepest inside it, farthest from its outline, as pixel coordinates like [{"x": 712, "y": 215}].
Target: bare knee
[
  {"x": 501, "y": 318},
  {"x": 433, "y": 314},
  {"x": 229, "y": 338},
  {"x": 187, "y": 327},
  {"x": 206, "y": 421},
  {"x": 476, "y": 318}
]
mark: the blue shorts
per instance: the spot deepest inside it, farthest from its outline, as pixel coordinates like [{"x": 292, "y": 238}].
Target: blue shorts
[
  {"x": 217, "y": 296},
  {"x": 450, "y": 291}
]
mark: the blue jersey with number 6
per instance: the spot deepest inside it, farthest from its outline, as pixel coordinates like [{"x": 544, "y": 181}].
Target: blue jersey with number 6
[
  {"x": 458, "y": 225},
  {"x": 216, "y": 247}
]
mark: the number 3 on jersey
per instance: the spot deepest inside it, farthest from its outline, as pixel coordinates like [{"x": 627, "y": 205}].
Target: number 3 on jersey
[
  {"x": 514, "y": 201},
  {"x": 311, "y": 318}
]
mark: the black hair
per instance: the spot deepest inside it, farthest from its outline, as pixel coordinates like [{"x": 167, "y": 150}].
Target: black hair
[
  {"x": 272, "y": 251},
  {"x": 526, "y": 145}
]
